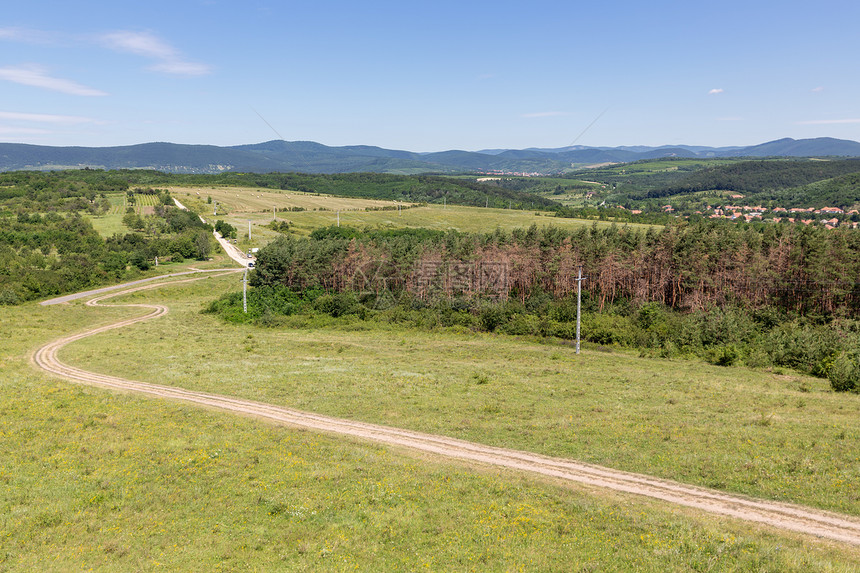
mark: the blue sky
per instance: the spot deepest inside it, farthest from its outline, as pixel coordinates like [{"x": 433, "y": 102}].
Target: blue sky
[{"x": 428, "y": 76}]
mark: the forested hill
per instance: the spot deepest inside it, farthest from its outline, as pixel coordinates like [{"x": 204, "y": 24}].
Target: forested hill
[
  {"x": 409, "y": 188},
  {"x": 784, "y": 182},
  {"x": 759, "y": 176},
  {"x": 311, "y": 157}
]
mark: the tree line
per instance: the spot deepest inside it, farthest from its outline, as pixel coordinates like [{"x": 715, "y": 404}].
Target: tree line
[
  {"x": 684, "y": 266},
  {"x": 764, "y": 295}
]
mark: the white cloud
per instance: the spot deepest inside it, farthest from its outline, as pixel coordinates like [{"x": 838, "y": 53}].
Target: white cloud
[
  {"x": 140, "y": 43},
  {"x": 545, "y": 114},
  {"x": 828, "y": 121},
  {"x": 819, "y": 89},
  {"x": 25, "y": 35},
  {"x": 44, "y": 118},
  {"x": 168, "y": 59},
  {"x": 716, "y": 91},
  {"x": 6, "y": 130},
  {"x": 180, "y": 68},
  {"x": 37, "y": 76}
]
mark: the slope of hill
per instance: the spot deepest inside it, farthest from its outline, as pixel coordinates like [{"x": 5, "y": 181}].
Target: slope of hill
[
  {"x": 759, "y": 176},
  {"x": 311, "y": 157},
  {"x": 787, "y": 147}
]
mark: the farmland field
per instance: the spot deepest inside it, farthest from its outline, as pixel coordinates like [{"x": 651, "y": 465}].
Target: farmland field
[
  {"x": 111, "y": 222},
  {"x": 256, "y": 205},
  {"x": 237, "y": 206},
  {"x": 93, "y": 479},
  {"x": 251, "y": 200}
]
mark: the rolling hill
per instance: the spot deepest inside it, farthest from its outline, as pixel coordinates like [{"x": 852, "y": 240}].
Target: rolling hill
[{"x": 311, "y": 157}]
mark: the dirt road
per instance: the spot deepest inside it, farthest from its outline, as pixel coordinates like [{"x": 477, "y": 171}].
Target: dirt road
[
  {"x": 785, "y": 516},
  {"x": 231, "y": 250}
]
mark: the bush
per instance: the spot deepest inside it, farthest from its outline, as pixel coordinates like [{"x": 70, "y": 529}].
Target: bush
[
  {"x": 337, "y": 305},
  {"x": 844, "y": 372},
  {"x": 140, "y": 260},
  {"x": 492, "y": 316},
  {"x": 807, "y": 348},
  {"x": 9, "y": 297},
  {"x": 521, "y": 324},
  {"x": 226, "y": 230},
  {"x": 606, "y": 329},
  {"x": 722, "y": 355},
  {"x": 564, "y": 330}
]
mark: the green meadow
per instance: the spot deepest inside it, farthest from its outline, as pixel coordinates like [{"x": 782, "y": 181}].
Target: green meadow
[
  {"x": 779, "y": 436},
  {"x": 244, "y": 204},
  {"x": 99, "y": 480},
  {"x": 111, "y": 223},
  {"x": 92, "y": 479}
]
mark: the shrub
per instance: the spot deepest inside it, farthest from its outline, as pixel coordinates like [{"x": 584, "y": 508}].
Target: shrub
[
  {"x": 140, "y": 260},
  {"x": 844, "y": 372},
  {"x": 492, "y": 317},
  {"x": 606, "y": 329},
  {"x": 565, "y": 330},
  {"x": 521, "y": 324},
  {"x": 803, "y": 347},
  {"x": 722, "y": 355},
  {"x": 9, "y": 297},
  {"x": 336, "y": 305}
]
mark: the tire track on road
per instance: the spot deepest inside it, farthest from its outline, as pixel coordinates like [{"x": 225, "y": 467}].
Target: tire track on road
[{"x": 790, "y": 517}]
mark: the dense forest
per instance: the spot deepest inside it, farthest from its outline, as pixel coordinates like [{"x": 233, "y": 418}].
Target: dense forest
[
  {"x": 764, "y": 294},
  {"x": 804, "y": 270}
]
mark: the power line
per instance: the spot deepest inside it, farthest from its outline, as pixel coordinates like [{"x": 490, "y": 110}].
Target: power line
[
  {"x": 588, "y": 127},
  {"x": 269, "y": 124}
]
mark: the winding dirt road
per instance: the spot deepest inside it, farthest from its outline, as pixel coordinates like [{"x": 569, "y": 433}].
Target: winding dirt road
[{"x": 784, "y": 516}]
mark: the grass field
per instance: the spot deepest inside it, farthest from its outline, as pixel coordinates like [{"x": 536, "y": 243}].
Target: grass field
[
  {"x": 246, "y": 204},
  {"x": 782, "y": 437},
  {"x": 111, "y": 222},
  {"x": 254, "y": 205},
  {"x": 238, "y": 200},
  {"x": 108, "y": 225},
  {"x": 664, "y": 166},
  {"x": 111, "y": 482}
]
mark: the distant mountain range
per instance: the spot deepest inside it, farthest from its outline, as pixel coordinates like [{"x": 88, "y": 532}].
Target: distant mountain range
[{"x": 310, "y": 157}]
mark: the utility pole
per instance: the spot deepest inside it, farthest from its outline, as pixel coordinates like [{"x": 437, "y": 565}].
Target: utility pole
[
  {"x": 578, "y": 304},
  {"x": 249, "y": 230},
  {"x": 338, "y": 218},
  {"x": 214, "y": 207},
  {"x": 245, "y": 291},
  {"x": 274, "y": 216}
]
